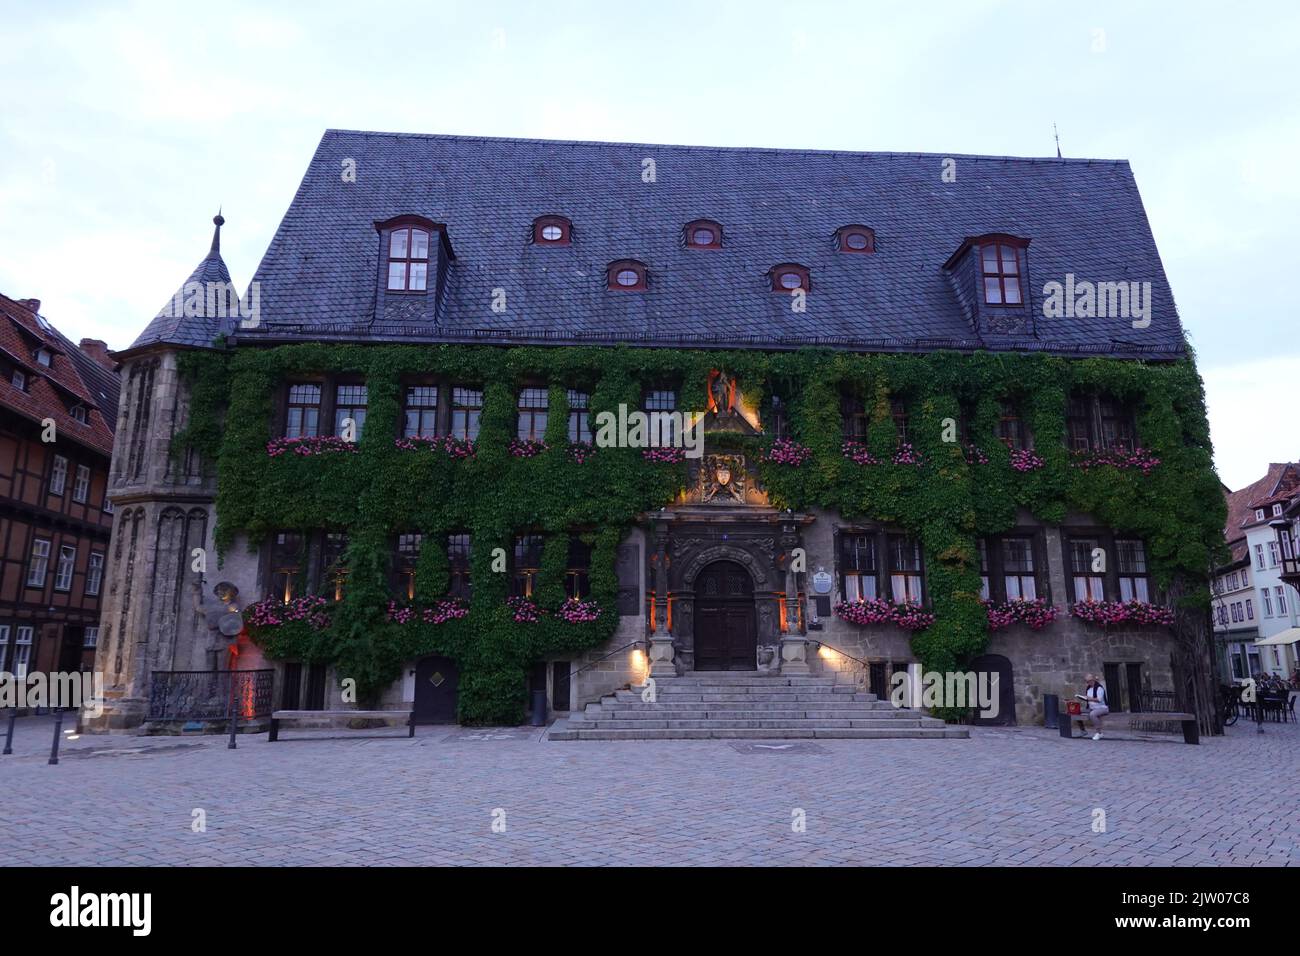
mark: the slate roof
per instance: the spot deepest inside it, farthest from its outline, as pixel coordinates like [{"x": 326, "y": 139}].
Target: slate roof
[
  {"x": 319, "y": 276},
  {"x": 171, "y": 326},
  {"x": 71, "y": 378}
]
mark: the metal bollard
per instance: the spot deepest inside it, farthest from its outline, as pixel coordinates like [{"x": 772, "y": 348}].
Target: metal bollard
[
  {"x": 9, "y": 734},
  {"x": 58, "y": 732}
]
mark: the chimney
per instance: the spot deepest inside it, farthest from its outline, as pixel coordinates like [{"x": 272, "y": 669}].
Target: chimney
[
  {"x": 98, "y": 350},
  {"x": 31, "y": 305}
]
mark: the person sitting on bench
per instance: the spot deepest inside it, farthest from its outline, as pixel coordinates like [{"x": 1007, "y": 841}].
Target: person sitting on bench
[{"x": 1097, "y": 708}]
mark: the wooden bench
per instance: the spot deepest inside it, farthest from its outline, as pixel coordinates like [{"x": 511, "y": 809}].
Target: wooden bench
[
  {"x": 280, "y": 715},
  {"x": 1124, "y": 720}
]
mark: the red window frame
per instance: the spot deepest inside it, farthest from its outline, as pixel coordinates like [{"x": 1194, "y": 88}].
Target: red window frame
[
  {"x": 844, "y": 233},
  {"x": 1001, "y": 273},
  {"x": 542, "y": 222},
  {"x": 791, "y": 268},
  {"x": 625, "y": 265},
  {"x": 696, "y": 225}
]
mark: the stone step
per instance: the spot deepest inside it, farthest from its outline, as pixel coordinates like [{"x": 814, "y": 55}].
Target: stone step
[
  {"x": 829, "y": 708},
  {"x": 762, "y": 733},
  {"x": 642, "y": 715},
  {"x": 719, "y": 696},
  {"x": 772, "y": 723}
]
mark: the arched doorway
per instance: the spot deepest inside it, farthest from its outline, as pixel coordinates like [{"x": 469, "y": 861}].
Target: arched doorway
[
  {"x": 436, "y": 681},
  {"x": 997, "y": 664},
  {"x": 726, "y": 633}
]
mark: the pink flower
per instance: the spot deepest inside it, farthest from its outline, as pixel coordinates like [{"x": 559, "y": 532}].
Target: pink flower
[
  {"x": 526, "y": 447},
  {"x": 787, "y": 451},
  {"x": 857, "y": 453},
  {"x": 578, "y": 612},
  {"x": 668, "y": 454},
  {"x": 580, "y": 451},
  {"x": 1036, "y": 614},
  {"x": 1117, "y": 457},
  {"x": 454, "y": 447},
  {"x": 1106, "y": 613},
  {"x": 879, "y": 611},
  {"x": 440, "y": 612},
  {"x": 1022, "y": 460},
  {"x": 312, "y": 445}
]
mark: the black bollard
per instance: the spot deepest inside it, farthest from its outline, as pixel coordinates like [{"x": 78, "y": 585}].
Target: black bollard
[
  {"x": 58, "y": 732},
  {"x": 9, "y": 734}
]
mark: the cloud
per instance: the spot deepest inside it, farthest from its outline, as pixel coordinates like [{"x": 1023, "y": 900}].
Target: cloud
[{"x": 1246, "y": 403}]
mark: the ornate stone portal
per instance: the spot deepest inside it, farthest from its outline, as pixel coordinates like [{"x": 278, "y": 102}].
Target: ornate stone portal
[{"x": 725, "y": 517}]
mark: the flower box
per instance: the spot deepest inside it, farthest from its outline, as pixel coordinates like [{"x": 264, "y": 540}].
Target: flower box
[
  {"x": 1138, "y": 459},
  {"x": 1035, "y": 614},
  {"x": 787, "y": 451},
  {"x": 454, "y": 447},
  {"x": 1108, "y": 613},
  {"x": 526, "y": 447},
  {"x": 272, "y": 612},
  {"x": 314, "y": 445},
  {"x": 879, "y": 611},
  {"x": 437, "y": 613}
]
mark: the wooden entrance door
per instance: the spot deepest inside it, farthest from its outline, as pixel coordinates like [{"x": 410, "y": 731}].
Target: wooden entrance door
[
  {"x": 726, "y": 631},
  {"x": 436, "y": 680}
]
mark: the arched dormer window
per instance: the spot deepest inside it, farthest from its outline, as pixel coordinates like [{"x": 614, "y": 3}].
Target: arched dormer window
[
  {"x": 703, "y": 234},
  {"x": 552, "y": 231},
  {"x": 407, "y": 244},
  {"x": 789, "y": 276},
  {"x": 627, "y": 275},
  {"x": 860, "y": 239}
]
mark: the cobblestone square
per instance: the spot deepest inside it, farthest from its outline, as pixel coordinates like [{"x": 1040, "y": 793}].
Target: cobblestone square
[{"x": 1006, "y": 796}]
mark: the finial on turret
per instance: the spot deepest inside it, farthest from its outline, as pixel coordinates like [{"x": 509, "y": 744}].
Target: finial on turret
[{"x": 217, "y": 221}]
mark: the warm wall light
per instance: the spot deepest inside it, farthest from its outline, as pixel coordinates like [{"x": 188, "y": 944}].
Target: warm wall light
[{"x": 826, "y": 653}]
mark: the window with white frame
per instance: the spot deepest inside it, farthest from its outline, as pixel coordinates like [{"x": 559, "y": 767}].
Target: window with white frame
[
  {"x": 58, "y": 475},
  {"x": 94, "y": 573},
  {"x": 4, "y": 647},
  {"x": 63, "y": 572},
  {"x": 1089, "y": 585},
  {"x": 40, "y": 563},
  {"x": 1259, "y": 557},
  {"x": 1268, "y": 601},
  {"x": 1272, "y": 554},
  {"x": 1280, "y": 593},
  {"x": 22, "y": 652},
  {"x": 1259, "y": 514},
  {"x": 92, "y": 637},
  {"x": 1132, "y": 561},
  {"x": 905, "y": 569},
  {"x": 858, "y": 561},
  {"x": 1277, "y": 510},
  {"x": 1250, "y": 610},
  {"x": 81, "y": 484}
]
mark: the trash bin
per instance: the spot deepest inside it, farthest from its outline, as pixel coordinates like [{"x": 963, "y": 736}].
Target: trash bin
[
  {"x": 1051, "y": 710},
  {"x": 539, "y": 708}
]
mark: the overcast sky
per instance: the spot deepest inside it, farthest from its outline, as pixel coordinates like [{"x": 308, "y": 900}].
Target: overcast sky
[{"x": 124, "y": 125}]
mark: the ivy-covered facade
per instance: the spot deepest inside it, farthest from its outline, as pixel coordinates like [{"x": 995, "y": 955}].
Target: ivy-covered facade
[{"x": 443, "y": 517}]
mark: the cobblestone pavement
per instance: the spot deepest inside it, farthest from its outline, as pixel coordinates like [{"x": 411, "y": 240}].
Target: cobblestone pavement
[{"x": 1016, "y": 796}]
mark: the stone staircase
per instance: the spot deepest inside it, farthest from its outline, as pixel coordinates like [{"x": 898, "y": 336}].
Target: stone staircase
[{"x": 735, "y": 704}]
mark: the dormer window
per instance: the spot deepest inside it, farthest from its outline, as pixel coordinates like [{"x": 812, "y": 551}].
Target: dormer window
[
  {"x": 790, "y": 277},
  {"x": 408, "y": 259},
  {"x": 627, "y": 275},
  {"x": 19, "y": 380},
  {"x": 703, "y": 234},
  {"x": 856, "y": 239},
  {"x": 552, "y": 231},
  {"x": 44, "y": 357},
  {"x": 1001, "y": 267},
  {"x": 78, "y": 412}
]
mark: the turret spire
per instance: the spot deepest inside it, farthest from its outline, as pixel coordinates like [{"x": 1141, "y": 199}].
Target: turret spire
[{"x": 218, "y": 221}]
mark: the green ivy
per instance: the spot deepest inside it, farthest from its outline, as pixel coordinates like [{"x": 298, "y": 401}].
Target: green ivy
[{"x": 382, "y": 491}]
